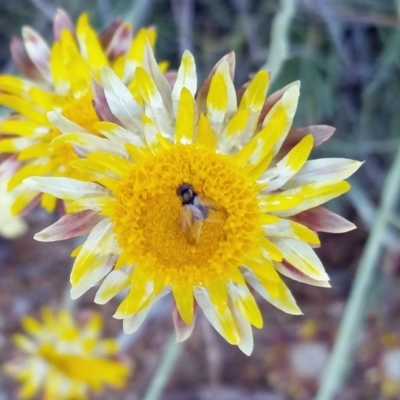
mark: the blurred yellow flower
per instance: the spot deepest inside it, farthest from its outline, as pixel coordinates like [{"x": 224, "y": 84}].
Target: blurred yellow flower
[
  {"x": 59, "y": 78},
  {"x": 207, "y": 196},
  {"x": 11, "y": 226},
  {"x": 63, "y": 360}
]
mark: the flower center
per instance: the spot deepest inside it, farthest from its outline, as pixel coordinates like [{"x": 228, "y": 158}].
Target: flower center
[
  {"x": 147, "y": 222},
  {"x": 80, "y": 110}
]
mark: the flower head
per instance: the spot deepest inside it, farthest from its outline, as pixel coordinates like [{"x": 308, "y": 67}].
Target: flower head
[
  {"x": 64, "y": 360},
  {"x": 59, "y": 79},
  {"x": 207, "y": 196}
]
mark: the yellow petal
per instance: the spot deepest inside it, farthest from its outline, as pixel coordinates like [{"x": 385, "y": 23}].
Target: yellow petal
[
  {"x": 184, "y": 302},
  {"x": 184, "y": 128}
]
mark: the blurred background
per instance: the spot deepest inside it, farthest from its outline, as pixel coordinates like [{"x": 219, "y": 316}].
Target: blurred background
[{"x": 347, "y": 55}]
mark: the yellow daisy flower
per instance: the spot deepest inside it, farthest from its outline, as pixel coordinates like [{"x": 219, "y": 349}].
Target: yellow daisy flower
[
  {"x": 205, "y": 196},
  {"x": 59, "y": 79},
  {"x": 64, "y": 360}
]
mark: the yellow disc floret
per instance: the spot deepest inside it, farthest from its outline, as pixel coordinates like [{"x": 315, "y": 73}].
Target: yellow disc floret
[{"x": 146, "y": 216}]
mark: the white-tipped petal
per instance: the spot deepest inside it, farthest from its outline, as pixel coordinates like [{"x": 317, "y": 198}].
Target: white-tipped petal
[
  {"x": 182, "y": 330},
  {"x": 95, "y": 259},
  {"x": 115, "y": 132},
  {"x": 120, "y": 100},
  {"x": 223, "y": 322},
  {"x": 313, "y": 194},
  {"x": 302, "y": 257},
  {"x": 92, "y": 276},
  {"x": 293, "y": 273},
  {"x": 243, "y": 326},
  {"x": 64, "y": 124},
  {"x": 115, "y": 282},
  {"x": 223, "y": 70},
  {"x": 287, "y": 105},
  {"x": 161, "y": 82},
  {"x": 65, "y": 188},
  {"x": 85, "y": 143},
  {"x": 324, "y": 170},
  {"x": 186, "y": 77},
  {"x": 132, "y": 324}
]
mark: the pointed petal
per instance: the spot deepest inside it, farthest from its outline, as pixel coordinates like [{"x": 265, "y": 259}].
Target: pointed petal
[
  {"x": 314, "y": 194},
  {"x": 107, "y": 34},
  {"x": 38, "y": 51},
  {"x": 272, "y": 100},
  {"x": 24, "y": 107},
  {"x": 281, "y": 115},
  {"x": 93, "y": 274},
  {"x": 68, "y": 226},
  {"x": 94, "y": 261},
  {"x": 65, "y": 188},
  {"x": 115, "y": 282},
  {"x": 216, "y": 103},
  {"x": 89, "y": 43},
  {"x": 243, "y": 326},
  {"x": 321, "y": 133},
  {"x": 224, "y": 71},
  {"x": 293, "y": 273},
  {"x": 15, "y": 86},
  {"x": 302, "y": 257},
  {"x": 205, "y": 87},
  {"x": 115, "y": 132},
  {"x": 254, "y": 96},
  {"x": 85, "y": 143},
  {"x": 183, "y": 331},
  {"x": 244, "y": 301},
  {"x": 120, "y": 100},
  {"x": 163, "y": 86},
  {"x": 321, "y": 219},
  {"x": 285, "y": 169},
  {"x": 324, "y": 169},
  {"x": 64, "y": 124},
  {"x": 132, "y": 324},
  {"x": 280, "y": 201},
  {"x": 22, "y": 60},
  {"x": 185, "y": 118},
  {"x": 290, "y": 229},
  {"x": 186, "y": 77},
  {"x": 283, "y": 299},
  {"x": 62, "y": 21},
  {"x": 231, "y": 134},
  {"x": 219, "y": 315},
  {"x": 119, "y": 41},
  {"x": 183, "y": 297},
  {"x": 100, "y": 104},
  {"x": 155, "y": 108}
]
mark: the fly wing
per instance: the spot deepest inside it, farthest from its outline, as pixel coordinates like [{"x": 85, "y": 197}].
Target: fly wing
[
  {"x": 211, "y": 210},
  {"x": 191, "y": 223}
]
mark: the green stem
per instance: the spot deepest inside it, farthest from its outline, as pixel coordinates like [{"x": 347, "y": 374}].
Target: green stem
[
  {"x": 279, "y": 43},
  {"x": 165, "y": 368},
  {"x": 341, "y": 358}
]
